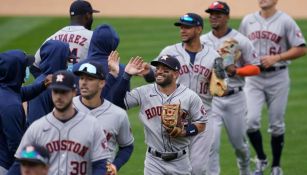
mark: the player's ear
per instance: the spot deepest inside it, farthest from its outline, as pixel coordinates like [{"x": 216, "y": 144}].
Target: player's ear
[
  {"x": 74, "y": 91},
  {"x": 102, "y": 83}
]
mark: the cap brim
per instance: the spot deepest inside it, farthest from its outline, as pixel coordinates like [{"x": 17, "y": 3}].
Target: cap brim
[
  {"x": 31, "y": 161},
  {"x": 59, "y": 87},
  {"x": 156, "y": 63},
  {"x": 216, "y": 10},
  {"x": 30, "y": 60},
  {"x": 180, "y": 23},
  {"x": 79, "y": 73}
]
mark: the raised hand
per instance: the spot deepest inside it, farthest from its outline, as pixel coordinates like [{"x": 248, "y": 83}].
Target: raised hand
[
  {"x": 113, "y": 63},
  {"x": 135, "y": 66}
]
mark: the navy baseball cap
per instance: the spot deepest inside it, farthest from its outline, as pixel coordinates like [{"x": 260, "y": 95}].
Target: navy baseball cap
[
  {"x": 190, "y": 19},
  {"x": 34, "y": 154},
  {"x": 218, "y": 6},
  {"x": 169, "y": 61},
  {"x": 63, "y": 80},
  {"x": 80, "y": 7},
  {"x": 92, "y": 69}
]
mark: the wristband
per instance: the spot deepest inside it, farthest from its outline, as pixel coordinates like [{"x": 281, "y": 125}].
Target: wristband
[{"x": 191, "y": 130}]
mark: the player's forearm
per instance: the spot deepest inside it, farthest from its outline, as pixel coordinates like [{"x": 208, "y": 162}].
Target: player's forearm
[
  {"x": 248, "y": 70},
  {"x": 123, "y": 155},
  {"x": 150, "y": 77},
  {"x": 31, "y": 91},
  {"x": 293, "y": 53},
  {"x": 99, "y": 167},
  {"x": 120, "y": 91}
]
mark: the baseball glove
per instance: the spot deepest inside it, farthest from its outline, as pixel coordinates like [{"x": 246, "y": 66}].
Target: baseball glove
[
  {"x": 171, "y": 119},
  {"x": 218, "y": 82},
  {"x": 111, "y": 169},
  {"x": 230, "y": 52}
]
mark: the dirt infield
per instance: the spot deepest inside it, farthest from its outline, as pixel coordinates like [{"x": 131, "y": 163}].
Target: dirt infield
[{"x": 146, "y": 8}]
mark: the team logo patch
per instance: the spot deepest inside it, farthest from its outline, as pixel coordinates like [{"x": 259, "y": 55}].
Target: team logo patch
[
  {"x": 164, "y": 57},
  {"x": 59, "y": 78}
]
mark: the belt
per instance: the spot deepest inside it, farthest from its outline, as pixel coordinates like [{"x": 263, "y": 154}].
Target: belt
[
  {"x": 166, "y": 156},
  {"x": 234, "y": 90},
  {"x": 272, "y": 69}
]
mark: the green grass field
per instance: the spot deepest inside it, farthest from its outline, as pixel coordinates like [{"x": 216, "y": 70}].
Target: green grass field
[{"x": 146, "y": 37}]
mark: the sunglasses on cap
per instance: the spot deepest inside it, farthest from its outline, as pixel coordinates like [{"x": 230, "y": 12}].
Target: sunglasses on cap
[
  {"x": 216, "y": 6},
  {"x": 186, "y": 18},
  {"x": 32, "y": 155},
  {"x": 88, "y": 68}
]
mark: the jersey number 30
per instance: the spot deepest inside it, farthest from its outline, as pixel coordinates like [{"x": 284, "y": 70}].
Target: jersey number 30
[{"x": 78, "y": 168}]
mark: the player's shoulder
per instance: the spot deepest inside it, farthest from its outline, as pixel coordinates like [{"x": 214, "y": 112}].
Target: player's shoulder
[
  {"x": 118, "y": 110},
  {"x": 284, "y": 17},
  {"x": 41, "y": 122},
  {"x": 250, "y": 16},
  {"x": 171, "y": 49},
  {"x": 239, "y": 37}
]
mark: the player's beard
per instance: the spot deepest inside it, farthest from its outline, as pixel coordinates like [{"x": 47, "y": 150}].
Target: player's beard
[
  {"x": 90, "y": 95},
  {"x": 166, "y": 82},
  {"x": 64, "y": 108}
]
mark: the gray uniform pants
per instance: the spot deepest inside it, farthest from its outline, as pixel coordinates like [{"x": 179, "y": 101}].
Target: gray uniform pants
[
  {"x": 200, "y": 148},
  {"x": 230, "y": 111},
  {"x": 156, "y": 166}
]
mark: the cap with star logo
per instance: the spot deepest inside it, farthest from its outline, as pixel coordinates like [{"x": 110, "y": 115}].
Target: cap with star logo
[
  {"x": 63, "y": 80},
  {"x": 168, "y": 61}
]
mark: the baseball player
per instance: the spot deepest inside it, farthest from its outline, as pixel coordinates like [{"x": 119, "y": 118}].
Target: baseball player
[
  {"x": 78, "y": 34},
  {"x": 277, "y": 39},
  {"x": 74, "y": 139},
  {"x": 196, "y": 62},
  {"x": 12, "y": 118},
  {"x": 165, "y": 154},
  {"x": 113, "y": 119},
  {"x": 55, "y": 55},
  {"x": 105, "y": 40},
  {"x": 230, "y": 110},
  {"x": 34, "y": 160}
]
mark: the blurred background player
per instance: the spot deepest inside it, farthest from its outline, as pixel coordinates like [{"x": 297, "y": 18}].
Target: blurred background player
[
  {"x": 78, "y": 34},
  {"x": 230, "y": 109},
  {"x": 54, "y": 55},
  {"x": 113, "y": 119},
  {"x": 277, "y": 39},
  {"x": 34, "y": 160},
  {"x": 13, "y": 65}
]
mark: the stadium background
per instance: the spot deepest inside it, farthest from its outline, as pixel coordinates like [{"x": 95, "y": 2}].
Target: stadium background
[{"x": 145, "y": 27}]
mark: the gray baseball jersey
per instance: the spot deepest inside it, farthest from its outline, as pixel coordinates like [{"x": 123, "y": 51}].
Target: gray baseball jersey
[
  {"x": 77, "y": 37},
  {"x": 197, "y": 76},
  {"x": 151, "y": 100},
  {"x": 272, "y": 36},
  {"x": 114, "y": 121},
  {"x": 72, "y": 145},
  {"x": 248, "y": 55},
  {"x": 231, "y": 110}
]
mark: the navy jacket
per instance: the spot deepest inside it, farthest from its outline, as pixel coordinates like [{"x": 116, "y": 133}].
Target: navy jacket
[
  {"x": 54, "y": 56},
  {"x": 104, "y": 41},
  {"x": 12, "y": 116}
]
